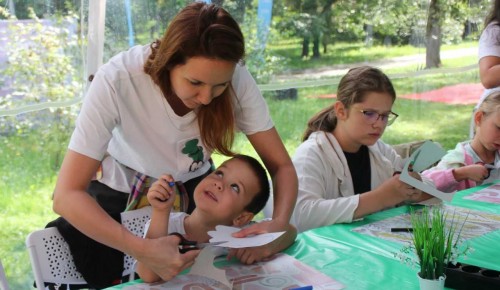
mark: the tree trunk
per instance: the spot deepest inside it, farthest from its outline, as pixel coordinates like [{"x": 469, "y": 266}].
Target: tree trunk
[
  {"x": 12, "y": 8},
  {"x": 327, "y": 14},
  {"x": 433, "y": 35},
  {"x": 316, "y": 53},
  {"x": 305, "y": 47}
]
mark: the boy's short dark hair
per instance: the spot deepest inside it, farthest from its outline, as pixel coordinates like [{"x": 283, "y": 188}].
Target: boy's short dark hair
[{"x": 260, "y": 199}]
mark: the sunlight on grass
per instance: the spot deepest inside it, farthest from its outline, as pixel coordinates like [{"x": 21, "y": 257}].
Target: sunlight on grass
[
  {"x": 27, "y": 211},
  {"x": 345, "y": 53}
]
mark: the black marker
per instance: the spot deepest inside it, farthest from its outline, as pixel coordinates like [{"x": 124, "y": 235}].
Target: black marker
[
  {"x": 404, "y": 230},
  {"x": 398, "y": 230}
]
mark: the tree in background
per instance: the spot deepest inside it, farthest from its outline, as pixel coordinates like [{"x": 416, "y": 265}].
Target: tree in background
[
  {"x": 41, "y": 68},
  {"x": 433, "y": 34},
  {"x": 419, "y": 23}
]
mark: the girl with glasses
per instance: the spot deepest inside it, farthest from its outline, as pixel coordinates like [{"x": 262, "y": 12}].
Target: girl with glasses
[{"x": 345, "y": 171}]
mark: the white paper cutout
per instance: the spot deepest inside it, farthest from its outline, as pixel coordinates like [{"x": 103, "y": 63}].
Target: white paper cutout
[
  {"x": 204, "y": 266},
  {"x": 421, "y": 159},
  {"x": 223, "y": 233}
]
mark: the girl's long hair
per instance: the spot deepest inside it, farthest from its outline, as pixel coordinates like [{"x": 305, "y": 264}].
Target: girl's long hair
[{"x": 352, "y": 89}]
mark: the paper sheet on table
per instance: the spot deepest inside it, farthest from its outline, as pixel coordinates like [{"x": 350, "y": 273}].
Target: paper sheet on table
[
  {"x": 223, "y": 233},
  {"x": 478, "y": 224},
  {"x": 280, "y": 271},
  {"x": 204, "y": 266},
  {"x": 421, "y": 159}
]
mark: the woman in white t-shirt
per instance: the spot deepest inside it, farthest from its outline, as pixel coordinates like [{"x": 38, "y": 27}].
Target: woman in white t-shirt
[
  {"x": 489, "y": 49},
  {"x": 489, "y": 57},
  {"x": 166, "y": 107}
]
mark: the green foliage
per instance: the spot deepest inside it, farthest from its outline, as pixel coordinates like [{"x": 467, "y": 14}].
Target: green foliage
[
  {"x": 378, "y": 22},
  {"x": 26, "y": 184},
  {"x": 260, "y": 61},
  {"x": 40, "y": 69}
]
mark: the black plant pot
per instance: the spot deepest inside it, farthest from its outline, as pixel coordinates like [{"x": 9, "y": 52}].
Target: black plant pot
[{"x": 463, "y": 276}]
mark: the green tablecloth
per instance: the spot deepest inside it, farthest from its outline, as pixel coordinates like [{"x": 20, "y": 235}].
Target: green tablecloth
[{"x": 364, "y": 262}]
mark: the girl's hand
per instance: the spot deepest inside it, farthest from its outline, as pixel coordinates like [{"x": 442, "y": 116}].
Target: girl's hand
[
  {"x": 161, "y": 195},
  {"x": 399, "y": 191},
  {"x": 475, "y": 172}
]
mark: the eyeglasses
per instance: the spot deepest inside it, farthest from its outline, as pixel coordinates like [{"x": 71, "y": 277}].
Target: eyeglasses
[{"x": 371, "y": 117}]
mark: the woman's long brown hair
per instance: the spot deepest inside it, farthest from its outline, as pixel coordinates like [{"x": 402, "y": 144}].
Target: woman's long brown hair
[
  {"x": 494, "y": 14},
  {"x": 203, "y": 30}
]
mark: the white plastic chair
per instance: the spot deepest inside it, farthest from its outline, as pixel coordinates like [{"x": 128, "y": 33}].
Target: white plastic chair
[
  {"x": 3, "y": 280},
  {"x": 51, "y": 259},
  {"x": 134, "y": 221}
]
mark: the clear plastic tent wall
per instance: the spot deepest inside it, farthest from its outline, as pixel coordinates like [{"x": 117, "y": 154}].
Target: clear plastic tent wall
[{"x": 296, "y": 50}]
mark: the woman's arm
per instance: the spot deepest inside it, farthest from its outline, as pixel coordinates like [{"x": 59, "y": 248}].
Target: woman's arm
[
  {"x": 73, "y": 203},
  {"x": 489, "y": 71},
  {"x": 275, "y": 157},
  {"x": 273, "y": 153}
]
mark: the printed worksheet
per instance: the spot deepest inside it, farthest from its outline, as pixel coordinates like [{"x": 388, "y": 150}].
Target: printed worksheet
[
  {"x": 478, "y": 224},
  {"x": 282, "y": 272},
  {"x": 489, "y": 194}
]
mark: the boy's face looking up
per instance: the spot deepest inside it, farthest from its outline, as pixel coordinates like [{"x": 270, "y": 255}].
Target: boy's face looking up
[{"x": 227, "y": 191}]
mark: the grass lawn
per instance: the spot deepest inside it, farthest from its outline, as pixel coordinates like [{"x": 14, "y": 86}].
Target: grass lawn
[
  {"x": 345, "y": 53},
  {"x": 28, "y": 172}
]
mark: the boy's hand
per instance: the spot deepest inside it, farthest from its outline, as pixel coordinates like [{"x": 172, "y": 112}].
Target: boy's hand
[
  {"x": 161, "y": 195},
  {"x": 252, "y": 255}
]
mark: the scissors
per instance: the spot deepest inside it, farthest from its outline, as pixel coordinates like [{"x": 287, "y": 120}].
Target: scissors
[
  {"x": 489, "y": 167},
  {"x": 186, "y": 245}
]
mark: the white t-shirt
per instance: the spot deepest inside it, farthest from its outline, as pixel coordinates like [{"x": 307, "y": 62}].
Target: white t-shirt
[
  {"x": 489, "y": 45},
  {"x": 125, "y": 114},
  {"x": 175, "y": 223},
  {"x": 489, "y": 42}
]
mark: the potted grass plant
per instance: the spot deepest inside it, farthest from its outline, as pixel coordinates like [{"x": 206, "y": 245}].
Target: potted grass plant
[{"x": 436, "y": 242}]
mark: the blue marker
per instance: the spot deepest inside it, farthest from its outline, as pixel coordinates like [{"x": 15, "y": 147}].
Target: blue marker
[
  {"x": 174, "y": 186},
  {"x": 310, "y": 287}
]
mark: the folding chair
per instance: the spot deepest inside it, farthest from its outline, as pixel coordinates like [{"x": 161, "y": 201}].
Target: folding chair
[
  {"x": 134, "y": 221},
  {"x": 3, "y": 280},
  {"x": 51, "y": 259}
]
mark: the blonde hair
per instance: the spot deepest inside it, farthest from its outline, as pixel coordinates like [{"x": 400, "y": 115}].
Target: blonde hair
[
  {"x": 490, "y": 104},
  {"x": 352, "y": 89}
]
